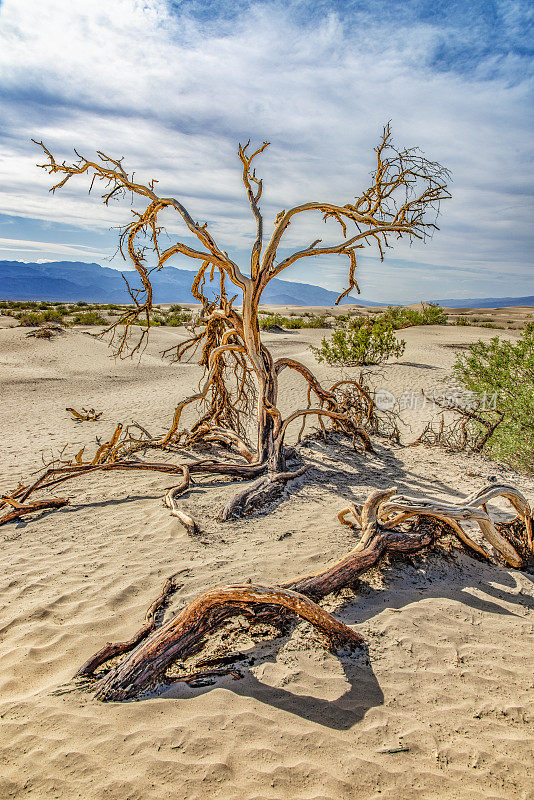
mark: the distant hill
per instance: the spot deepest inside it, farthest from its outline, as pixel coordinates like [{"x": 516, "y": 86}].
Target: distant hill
[
  {"x": 488, "y": 302},
  {"x": 70, "y": 281}
]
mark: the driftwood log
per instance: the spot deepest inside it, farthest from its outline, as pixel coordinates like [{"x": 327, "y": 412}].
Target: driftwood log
[{"x": 152, "y": 651}]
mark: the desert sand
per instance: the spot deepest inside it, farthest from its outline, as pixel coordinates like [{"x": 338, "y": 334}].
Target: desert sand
[{"x": 442, "y": 706}]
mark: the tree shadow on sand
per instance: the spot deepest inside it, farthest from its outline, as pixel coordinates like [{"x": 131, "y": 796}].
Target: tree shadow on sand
[
  {"x": 343, "y": 713},
  {"x": 434, "y": 575}
]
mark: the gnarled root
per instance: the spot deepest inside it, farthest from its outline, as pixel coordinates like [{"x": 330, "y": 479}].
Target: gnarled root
[
  {"x": 400, "y": 508},
  {"x": 151, "y": 651},
  {"x": 184, "y": 635},
  {"x": 259, "y": 493}
]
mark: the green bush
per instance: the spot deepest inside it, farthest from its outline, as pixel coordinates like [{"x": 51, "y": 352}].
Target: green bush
[
  {"x": 433, "y": 314},
  {"x": 507, "y": 369},
  {"x": 33, "y": 318},
  {"x": 88, "y": 318},
  {"x": 316, "y": 322},
  {"x": 398, "y": 318},
  {"x": 370, "y": 343},
  {"x": 175, "y": 319},
  {"x": 270, "y": 321},
  {"x": 30, "y": 319}
]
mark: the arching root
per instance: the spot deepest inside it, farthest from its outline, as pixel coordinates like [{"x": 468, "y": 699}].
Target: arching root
[
  {"x": 184, "y": 635},
  {"x": 153, "y": 650},
  {"x": 399, "y": 508}
]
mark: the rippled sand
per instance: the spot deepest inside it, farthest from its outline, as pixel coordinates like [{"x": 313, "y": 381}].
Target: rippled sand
[{"x": 442, "y": 708}]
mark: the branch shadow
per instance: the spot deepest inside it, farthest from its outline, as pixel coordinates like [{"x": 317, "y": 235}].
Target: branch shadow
[
  {"x": 349, "y": 470},
  {"x": 415, "y": 364},
  {"x": 343, "y": 713},
  {"x": 407, "y": 583},
  {"x": 424, "y": 577}
]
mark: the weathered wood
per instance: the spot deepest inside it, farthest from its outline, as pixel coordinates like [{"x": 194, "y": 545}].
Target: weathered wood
[
  {"x": 153, "y": 650},
  {"x": 185, "y": 634},
  {"x": 19, "y": 510},
  {"x": 405, "y": 186}
]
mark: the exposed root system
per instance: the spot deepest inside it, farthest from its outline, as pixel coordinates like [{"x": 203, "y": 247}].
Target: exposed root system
[{"x": 390, "y": 524}]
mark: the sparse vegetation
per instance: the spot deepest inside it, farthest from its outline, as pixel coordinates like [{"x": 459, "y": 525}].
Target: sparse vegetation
[
  {"x": 400, "y": 317},
  {"x": 369, "y": 343},
  {"x": 271, "y": 321},
  {"x": 88, "y": 318},
  {"x": 507, "y": 369},
  {"x": 30, "y": 319},
  {"x": 177, "y": 318}
]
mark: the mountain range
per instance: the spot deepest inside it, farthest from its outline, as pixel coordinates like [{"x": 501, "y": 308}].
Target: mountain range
[
  {"x": 488, "y": 302},
  {"x": 70, "y": 281}
]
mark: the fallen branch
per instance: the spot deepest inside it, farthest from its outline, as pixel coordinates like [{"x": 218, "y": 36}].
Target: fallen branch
[
  {"x": 153, "y": 650},
  {"x": 22, "y": 509},
  {"x": 85, "y": 415}
]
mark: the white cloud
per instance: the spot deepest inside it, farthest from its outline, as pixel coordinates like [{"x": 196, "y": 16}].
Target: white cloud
[
  {"x": 174, "y": 96},
  {"x": 27, "y": 246}
]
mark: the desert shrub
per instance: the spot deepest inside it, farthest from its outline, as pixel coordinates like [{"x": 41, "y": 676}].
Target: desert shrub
[
  {"x": 32, "y": 318},
  {"x": 175, "y": 319},
  {"x": 398, "y": 318},
  {"x": 316, "y": 322},
  {"x": 462, "y": 321},
  {"x": 175, "y": 308},
  {"x": 88, "y": 318},
  {"x": 433, "y": 314},
  {"x": 270, "y": 321},
  {"x": 29, "y": 319},
  {"x": 370, "y": 343},
  {"x": 505, "y": 370},
  {"x": 291, "y": 323},
  {"x": 154, "y": 322}
]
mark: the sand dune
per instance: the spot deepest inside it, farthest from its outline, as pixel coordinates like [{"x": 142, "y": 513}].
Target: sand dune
[{"x": 441, "y": 709}]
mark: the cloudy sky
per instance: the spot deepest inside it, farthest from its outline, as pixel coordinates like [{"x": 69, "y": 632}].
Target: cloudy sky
[{"x": 174, "y": 85}]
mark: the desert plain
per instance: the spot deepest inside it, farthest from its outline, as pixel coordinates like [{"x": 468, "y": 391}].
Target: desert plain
[{"x": 439, "y": 706}]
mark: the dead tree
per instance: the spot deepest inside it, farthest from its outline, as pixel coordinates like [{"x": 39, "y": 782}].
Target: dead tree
[
  {"x": 390, "y": 524},
  {"x": 470, "y": 429},
  {"x": 240, "y": 390}
]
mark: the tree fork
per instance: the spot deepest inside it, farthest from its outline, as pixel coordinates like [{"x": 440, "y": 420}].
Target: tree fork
[{"x": 402, "y": 200}]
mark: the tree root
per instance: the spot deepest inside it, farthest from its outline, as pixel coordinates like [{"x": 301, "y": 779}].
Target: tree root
[
  {"x": 21, "y": 509},
  {"x": 183, "y": 635},
  {"x": 259, "y": 493},
  {"x": 153, "y": 650}
]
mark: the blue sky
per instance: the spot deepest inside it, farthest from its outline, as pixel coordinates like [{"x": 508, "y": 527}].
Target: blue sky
[{"x": 174, "y": 86}]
